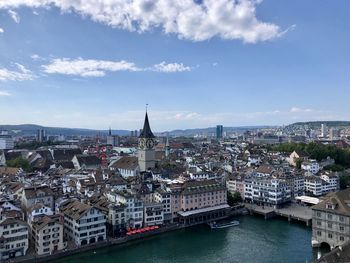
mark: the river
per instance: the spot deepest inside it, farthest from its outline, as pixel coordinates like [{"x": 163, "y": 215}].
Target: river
[{"x": 254, "y": 240}]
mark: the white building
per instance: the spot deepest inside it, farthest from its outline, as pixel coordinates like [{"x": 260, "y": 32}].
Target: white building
[
  {"x": 163, "y": 195},
  {"x": 267, "y": 191},
  {"x": 127, "y": 166},
  {"x": 84, "y": 224},
  {"x": 153, "y": 214},
  {"x": 311, "y": 166},
  {"x": 13, "y": 238},
  {"x": 314, "y": 185},
  {"x": 322, "y": 185},
  {"x": 134, "y": 207}
]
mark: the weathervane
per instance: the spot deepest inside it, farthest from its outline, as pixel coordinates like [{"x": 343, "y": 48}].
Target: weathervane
[{"x": 146, "y": 107}]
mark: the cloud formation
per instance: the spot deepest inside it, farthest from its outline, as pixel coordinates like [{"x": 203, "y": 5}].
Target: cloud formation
[
  {"x": 188, "y": 19},
  {"x": 87, "y": 68},
  {"x": 14, "y": 16},
  {"x": 98, "y": 68},
  {"x": 1, "y": 30},
  {"x": 4, "y": 93},
  {"x": 170, "y": 67},
  {"x": 20, "y": 75}
]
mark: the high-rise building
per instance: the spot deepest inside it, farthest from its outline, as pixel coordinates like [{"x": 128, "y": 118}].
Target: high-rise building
[
  {"x": 219, "y": 131},
  {"x": 323, "y": 130},
  {"x": 146, "y": 154},
  {"x": 41, "y": 135},
  {"x": 167, "y": 148}
]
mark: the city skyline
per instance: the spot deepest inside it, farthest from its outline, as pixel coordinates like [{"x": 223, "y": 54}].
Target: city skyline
[{"x": 257, "y": 63}]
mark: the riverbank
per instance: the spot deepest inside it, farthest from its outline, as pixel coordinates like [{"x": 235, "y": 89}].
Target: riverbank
[
  {"x": 254, "y": 240},
  {"x": 109, "y": 243},
  {"x": 115, "y": 243}
]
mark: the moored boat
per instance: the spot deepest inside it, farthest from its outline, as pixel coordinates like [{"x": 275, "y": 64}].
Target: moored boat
[{"x": 215, "y": 225}]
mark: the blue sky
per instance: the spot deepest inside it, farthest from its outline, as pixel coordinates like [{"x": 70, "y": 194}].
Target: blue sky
[{"x": 197, "y": 64}]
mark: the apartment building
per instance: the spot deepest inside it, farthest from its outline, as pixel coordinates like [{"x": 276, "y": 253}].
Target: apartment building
[
  {"x": 153, "y": 214},
  {"x": 14, "y": 240},
  {"x": 84, "y": 224},
  {"x": 39, "y": 194},
  {"x": 200, "y": 194},
  {"x": 47, "y": 234},
  {"x": 134, "y": 207},
  {"x": 268, "y": 191},
  {"x": 163, "y": 195}
]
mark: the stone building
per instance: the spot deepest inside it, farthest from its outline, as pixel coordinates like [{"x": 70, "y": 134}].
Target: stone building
[{"x": 331, "y": 220}]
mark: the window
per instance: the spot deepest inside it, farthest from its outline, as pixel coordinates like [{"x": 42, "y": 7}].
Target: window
[
  {"x": 330, "y": 236},
  {"x": 329, "y": 225},
  {"x": 341, "y": 228},
  {"x": 341, "y": 218},
  {"x": 318, "y": 214},
  {"x": 329, "y": 216},
  {"x": 341, "y": 238},
  {"x": 318, "y": 223}
]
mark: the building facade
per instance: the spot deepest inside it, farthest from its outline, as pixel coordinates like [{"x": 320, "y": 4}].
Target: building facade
[{"x": 331, "y": 220}]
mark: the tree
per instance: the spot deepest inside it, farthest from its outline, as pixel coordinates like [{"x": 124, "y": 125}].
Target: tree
[
  {"x": 298, "y": 163},
  {"x": 344, "y": 181},
  {"x": 234, "y": 198},
  {"x": 19, "y": 162}
]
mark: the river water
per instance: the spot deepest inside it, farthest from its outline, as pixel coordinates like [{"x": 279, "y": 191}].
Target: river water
[{"x": 254, "y": 240}]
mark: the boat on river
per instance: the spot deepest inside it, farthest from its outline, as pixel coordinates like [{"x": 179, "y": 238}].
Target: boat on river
[{"x": 215, "y": 225}]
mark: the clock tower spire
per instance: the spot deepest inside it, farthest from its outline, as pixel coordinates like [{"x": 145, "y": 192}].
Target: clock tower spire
[{"x": 146, "y": 153}]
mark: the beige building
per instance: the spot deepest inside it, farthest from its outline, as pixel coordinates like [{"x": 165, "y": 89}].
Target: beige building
[
  {"x": 13, "y": 238},
  {"x": 47, "y": 234},
  {"x": 331, "y": 220},
  {"x": 201, "y": 194}
]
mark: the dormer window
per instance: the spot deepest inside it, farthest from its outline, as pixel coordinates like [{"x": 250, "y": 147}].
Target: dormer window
[{"x": 331, "y": 206}]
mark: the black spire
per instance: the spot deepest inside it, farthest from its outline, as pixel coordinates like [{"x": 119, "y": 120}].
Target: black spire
[{"x": 146, "y": 131}]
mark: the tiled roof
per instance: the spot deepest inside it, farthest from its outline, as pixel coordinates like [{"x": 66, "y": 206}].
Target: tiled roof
[{"x": 340, "y": 199}]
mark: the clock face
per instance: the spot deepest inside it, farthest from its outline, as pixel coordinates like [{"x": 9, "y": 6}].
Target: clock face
[
  {"x": 149, "y": 143},
  {"x": 142, "y": 144}
]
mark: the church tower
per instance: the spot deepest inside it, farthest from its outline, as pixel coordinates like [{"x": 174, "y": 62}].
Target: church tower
[{"x": 147, "y": 142}]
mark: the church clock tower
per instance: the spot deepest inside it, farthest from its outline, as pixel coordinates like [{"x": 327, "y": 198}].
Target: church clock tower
[{"x": 147, "y": 142}]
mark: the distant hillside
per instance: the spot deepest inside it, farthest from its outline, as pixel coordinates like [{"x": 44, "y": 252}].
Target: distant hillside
[
  {"x": 210, "y": 130},
  {"x": 317, "y": 124},
  {"x": 31, "y": 130}
]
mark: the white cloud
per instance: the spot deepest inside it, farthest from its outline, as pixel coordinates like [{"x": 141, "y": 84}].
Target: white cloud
[
  {"x": 35, "y": 57},
  {"x": 188, "y": 19},
  {"x": 1, "y": 30},
  {"x": 300, "y": 110},
  {"x": 4, "y": 93},
  {"x": 170, "y": 67},
  {"x": 87, "y": 68},
  {"x": 98, "y": 68},
  {"x": 14, "y": 16},
  {"x": 22, "y": 74}
]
